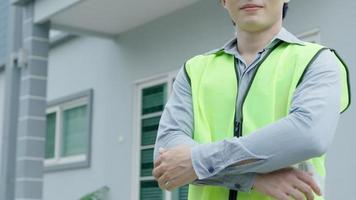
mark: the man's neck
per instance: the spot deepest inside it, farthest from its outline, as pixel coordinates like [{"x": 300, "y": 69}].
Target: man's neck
[{"x": 250, "y": 43}]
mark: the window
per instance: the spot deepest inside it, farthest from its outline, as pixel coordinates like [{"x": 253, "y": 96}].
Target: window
[
  {"x": 68, "y": 132},
  {"x": 152, "y": 95}
]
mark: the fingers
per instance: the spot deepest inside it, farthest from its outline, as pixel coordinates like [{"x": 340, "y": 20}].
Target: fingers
[
  {"x": 166, "y": 184},
  {"x": 305, "y": 177},
  {"x": 163, "y": 182},
  {"x": 158, "y": 171},
  {"x": 296, "y": 193},
  {"x": 303, "y": 187},
  {"x": 281, "y": 196},
  {"x": 162, "y": 178},
  {"x": 169, "y": 185},
  {"x": 157, "y": 162},
  {"x": 157, "y": 168},
  {"x": 177, "y": 181},
  {"x": 173, "y": 167},
  {"x": 170, "y": 181}
]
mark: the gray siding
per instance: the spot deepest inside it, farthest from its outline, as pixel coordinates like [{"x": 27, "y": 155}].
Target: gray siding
[
  {"x": 4, "y": 11},
  {"x": 2, "y": 88}
]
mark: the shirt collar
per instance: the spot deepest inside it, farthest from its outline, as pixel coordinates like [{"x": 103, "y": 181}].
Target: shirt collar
[{"x": 283, "y": 35}]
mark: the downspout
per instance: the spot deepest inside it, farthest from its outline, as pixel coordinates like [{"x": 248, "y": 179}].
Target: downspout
[{"x": 11, "y": 105}]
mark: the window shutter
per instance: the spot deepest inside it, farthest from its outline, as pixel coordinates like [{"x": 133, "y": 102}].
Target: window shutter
[
  {"x": 154, "y": 98},
  {"x": 146, "y": 162},
  {"x": 183, "y": 192},
  {"x": 150, "y": 191},
  {"x": 149, "y": 130},
  {"x": 153, "y": 101}
]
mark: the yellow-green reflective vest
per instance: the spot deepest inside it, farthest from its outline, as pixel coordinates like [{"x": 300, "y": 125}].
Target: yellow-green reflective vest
[{"x": 214, "y": 86}]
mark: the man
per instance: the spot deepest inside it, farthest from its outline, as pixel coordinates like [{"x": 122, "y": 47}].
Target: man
[{"x": 241, "y": 116}]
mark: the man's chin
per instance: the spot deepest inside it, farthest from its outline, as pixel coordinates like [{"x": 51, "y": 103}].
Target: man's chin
[{"x": 252, "y": 26}]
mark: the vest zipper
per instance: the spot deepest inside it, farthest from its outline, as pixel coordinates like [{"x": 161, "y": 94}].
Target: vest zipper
[{"x": 233, "y": 194}]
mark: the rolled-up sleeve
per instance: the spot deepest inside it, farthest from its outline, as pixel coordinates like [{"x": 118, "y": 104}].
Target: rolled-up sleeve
[{"x": 306, "y": 132}]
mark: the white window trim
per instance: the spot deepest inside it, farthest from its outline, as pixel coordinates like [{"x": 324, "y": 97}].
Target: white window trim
[
  {"x": 59, "y": 163},
  {"x": 138, "y": 86},
  {"x": 65, "y": 160},
  {"x": 59, "y": 109}
]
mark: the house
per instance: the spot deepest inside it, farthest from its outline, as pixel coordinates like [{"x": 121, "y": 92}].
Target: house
[{"x": 89, "y": 79}]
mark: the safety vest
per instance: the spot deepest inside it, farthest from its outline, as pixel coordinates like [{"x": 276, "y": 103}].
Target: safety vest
[{"x": 214, "y": 84}]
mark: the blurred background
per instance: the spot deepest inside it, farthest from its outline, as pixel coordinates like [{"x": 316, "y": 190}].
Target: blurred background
[{"x": 83, "y": 84}]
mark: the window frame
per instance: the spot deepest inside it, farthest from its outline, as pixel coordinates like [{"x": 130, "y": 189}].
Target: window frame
[
  {"x": 58, "y": 106},
  {"x": 139, "y": 85}
]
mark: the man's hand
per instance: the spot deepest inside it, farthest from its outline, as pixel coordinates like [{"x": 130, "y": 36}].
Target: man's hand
[
  {"x": 287, "y": 183},
  {"x": 174, "y": 168}
]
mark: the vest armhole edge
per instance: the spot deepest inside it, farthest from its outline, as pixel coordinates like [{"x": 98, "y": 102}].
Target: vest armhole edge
[
  {"x": 186, "y": 74},
  {"x": 310, "y": 63},
  {"x": 347, "y": 79}
]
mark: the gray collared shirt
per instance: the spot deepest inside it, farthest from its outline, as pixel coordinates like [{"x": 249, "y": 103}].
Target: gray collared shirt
[{"x": 305, "y": 132}]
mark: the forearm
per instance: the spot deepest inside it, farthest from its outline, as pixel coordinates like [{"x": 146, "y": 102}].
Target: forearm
[
  {"x": 176, "y": 128},
  {"x": 293, "y": 142},
  {"x": 276, "y": 146},
  {"x": 225, "y": 178},
  {"x": 304, "y": 133}
]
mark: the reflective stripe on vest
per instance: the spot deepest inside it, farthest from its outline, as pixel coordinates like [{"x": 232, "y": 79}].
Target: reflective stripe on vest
[{"x": 214, "y": 86}]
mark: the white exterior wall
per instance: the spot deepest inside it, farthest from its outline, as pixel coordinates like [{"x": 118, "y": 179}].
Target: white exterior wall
[
  {"x": 93, "y": 63},
  {"x": 111, "y": 67}
]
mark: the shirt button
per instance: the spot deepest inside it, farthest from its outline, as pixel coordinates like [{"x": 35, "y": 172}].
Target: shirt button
[
  {"x": 211, "y": 169},
  {"x": 237, "y": 186}
]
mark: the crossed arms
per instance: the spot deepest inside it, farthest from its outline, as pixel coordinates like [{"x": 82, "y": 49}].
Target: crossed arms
[{"x": 306, "y": 132}]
